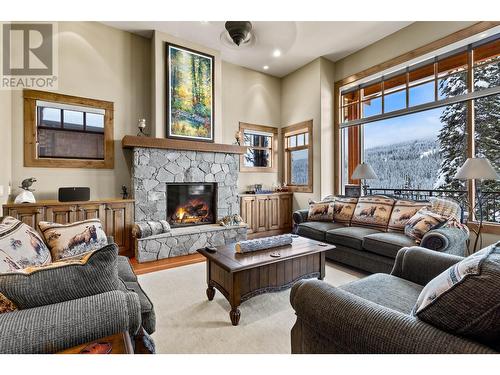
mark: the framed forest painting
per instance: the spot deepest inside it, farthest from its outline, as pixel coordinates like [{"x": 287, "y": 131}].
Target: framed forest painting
[{"x": 190, "y": 94}]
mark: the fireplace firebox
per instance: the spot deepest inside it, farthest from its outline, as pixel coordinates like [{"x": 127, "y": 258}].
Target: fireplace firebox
[{"x": 191, "y": 203}]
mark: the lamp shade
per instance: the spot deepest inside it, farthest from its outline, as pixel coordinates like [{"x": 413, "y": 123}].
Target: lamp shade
[
  {"x": 365, "y": 172},
  {"x": 477, "y": 168}
]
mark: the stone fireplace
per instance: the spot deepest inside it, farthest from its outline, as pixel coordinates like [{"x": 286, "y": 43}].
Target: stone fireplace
[
  {"x": 190, "y": 188},
  {"x": 193, "y": 203}
]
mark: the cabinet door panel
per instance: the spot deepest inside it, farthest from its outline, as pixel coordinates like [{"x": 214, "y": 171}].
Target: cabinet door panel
[
  {"x": 247, "y": 209},
  {"x": 28, "y": 215},
  {"x": 273, "y": 212},
  {"x": 61, "y": 214},
  {"x": 261, "y": 214},
  {"x": 285, "y": 212},
  {"x": 92, "y": 211},
  {"x": 119, "y": 225}
]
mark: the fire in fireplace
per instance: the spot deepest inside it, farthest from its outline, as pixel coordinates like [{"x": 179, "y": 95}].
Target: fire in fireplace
[{"x": 191, "y": 203}]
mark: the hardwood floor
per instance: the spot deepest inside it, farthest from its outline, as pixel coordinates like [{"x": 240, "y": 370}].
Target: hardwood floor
[{"x": 163, "y": 264}]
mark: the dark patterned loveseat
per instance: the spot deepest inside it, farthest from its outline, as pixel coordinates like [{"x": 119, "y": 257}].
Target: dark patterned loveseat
[{"x": 373, "y": 248}]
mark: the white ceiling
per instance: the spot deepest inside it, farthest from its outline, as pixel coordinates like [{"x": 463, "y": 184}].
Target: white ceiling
[{"x": 299, "y": 42}]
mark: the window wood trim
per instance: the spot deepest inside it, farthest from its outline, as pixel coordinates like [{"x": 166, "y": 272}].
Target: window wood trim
[
  {"x": 401, "y": 59},
  {"x": 274, "y": 148},
  {"x": 30, "y": 98},
  {"x": 293, "y": 130}
]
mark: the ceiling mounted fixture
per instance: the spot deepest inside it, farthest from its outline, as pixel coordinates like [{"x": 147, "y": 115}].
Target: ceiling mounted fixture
[
  {"x": 276, "y": 53},
  {"x": 265, "y": 67},
  {"x": 240, "y": 32}
]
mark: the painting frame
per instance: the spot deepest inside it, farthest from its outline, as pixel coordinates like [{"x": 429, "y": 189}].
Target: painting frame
[{"x": 168, "y": 105}]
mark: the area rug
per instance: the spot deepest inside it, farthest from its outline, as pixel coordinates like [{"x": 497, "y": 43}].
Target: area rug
[{"x": 188, "y": 323}]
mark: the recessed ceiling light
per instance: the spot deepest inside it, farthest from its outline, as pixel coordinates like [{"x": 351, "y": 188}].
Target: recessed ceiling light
[
  {"x": 276, "y": 53},
  {"x": 265, "y": 67}
]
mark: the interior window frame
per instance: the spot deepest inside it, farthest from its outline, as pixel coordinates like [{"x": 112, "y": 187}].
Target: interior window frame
[
  {"x": 31, "y": 158},
  {"x": 273, "y": 147},
  {"x": 305, "y": 127}
]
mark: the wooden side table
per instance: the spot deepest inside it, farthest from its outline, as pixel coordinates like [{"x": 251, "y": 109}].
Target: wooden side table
[{"x": 121, "y": 344}]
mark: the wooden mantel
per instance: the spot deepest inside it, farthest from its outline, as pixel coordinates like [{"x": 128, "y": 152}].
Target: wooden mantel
[{"x": 130, "y": 141}]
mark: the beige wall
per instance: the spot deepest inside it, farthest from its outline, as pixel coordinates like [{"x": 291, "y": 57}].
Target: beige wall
[
  {"x": 5, "y": 144},
  {"x": 252, "y": 97},
  {"x": 301, "y": 101},
  {"x": 411, "y": 37},
  {"x": 100, "y": 62}
]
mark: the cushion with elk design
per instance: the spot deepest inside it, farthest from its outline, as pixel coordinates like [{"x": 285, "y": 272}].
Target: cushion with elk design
[{"x": 68, "y": 240}]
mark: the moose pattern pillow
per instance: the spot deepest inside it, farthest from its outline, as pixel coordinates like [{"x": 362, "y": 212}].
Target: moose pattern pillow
[
  {"x": 320, "y": 211},
  {"x": 422, "y": 222},
  {"x": 20, "y": 246},
  {"x": 373, "y": 212},
  {"x": 343, "y": 209},
  {"x": 69, "y": 240},
  {"x": 402, "y": 212}
]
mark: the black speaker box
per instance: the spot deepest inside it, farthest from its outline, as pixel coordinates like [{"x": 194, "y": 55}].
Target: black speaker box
[{"x": 74, "y": 194}]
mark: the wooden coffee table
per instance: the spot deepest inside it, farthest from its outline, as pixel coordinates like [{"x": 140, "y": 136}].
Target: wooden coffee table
[{"x": 242, "y": 276}]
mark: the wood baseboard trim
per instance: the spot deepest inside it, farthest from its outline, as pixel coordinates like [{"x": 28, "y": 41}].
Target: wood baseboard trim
[{"x": 164, "y": 264}]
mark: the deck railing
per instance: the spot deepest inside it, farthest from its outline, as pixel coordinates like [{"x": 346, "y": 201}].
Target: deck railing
[{"x": 491, "y": 199}]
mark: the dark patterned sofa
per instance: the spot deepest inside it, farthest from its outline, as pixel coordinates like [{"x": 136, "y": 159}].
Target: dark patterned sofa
[{"x": 373, "y": 249}]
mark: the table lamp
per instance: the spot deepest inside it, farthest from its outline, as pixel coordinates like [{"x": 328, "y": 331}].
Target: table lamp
[
  {"x": 477, "y": 169},
  {"x": 364, "y": 172}
]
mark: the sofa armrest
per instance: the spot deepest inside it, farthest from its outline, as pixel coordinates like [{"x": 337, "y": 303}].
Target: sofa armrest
[
  {"x": 421, "y": 265},
  {"x": 330, "y": 320},
  {"x": 300, "y": 216},
  {"x": 446, "y": 240},
  {"x": 51, "y": 328}
]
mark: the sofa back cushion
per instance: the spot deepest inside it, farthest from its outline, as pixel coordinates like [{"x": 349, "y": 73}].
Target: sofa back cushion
[
  {"x": 343, "y": 209},
  {"x": 20, "y": 246},
  {"x": 422, "y": 222},
  {"x": 373, "y": 212},
  {"x": 402, "y": 212},
  {"x": 465, "y": 299},
  {"x": 93, "y": 273},
  {"x": 321, "y": 211},
  {"x": 68, "y": 240}
]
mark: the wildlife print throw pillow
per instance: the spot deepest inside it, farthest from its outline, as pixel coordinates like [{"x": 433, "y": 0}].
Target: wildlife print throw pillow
[
  {"x": 20, "y": 246},
  {"x": 320, "y": 211},
  {"x": 69, "y": 240},
  {"x": 343, "y": 209},
  {"x": 373, "y": 211},
  {"x": 422, "y": 222},
  {"x": 402, "y": 212}
]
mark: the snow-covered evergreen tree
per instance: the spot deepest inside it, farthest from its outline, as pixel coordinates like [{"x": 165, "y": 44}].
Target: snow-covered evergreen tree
[{"x": 453, "y": 136}]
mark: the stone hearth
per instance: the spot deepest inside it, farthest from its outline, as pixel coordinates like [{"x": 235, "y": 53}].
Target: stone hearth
[
  {"x": 183, "y": 241},
  {"x": 154, "y": 167}
]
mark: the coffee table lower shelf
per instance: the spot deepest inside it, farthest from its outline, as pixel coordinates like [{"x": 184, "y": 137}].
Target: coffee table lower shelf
[{"x": 239, "y": 284}]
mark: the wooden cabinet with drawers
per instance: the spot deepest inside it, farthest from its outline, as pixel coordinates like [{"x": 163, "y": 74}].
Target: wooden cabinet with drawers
[
  {"x": 116, "y": 215},
  {"x": 266, "y": 214}
]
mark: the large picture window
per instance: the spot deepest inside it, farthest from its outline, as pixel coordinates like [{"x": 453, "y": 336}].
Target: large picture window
[{"x": 416, "y": 127}]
